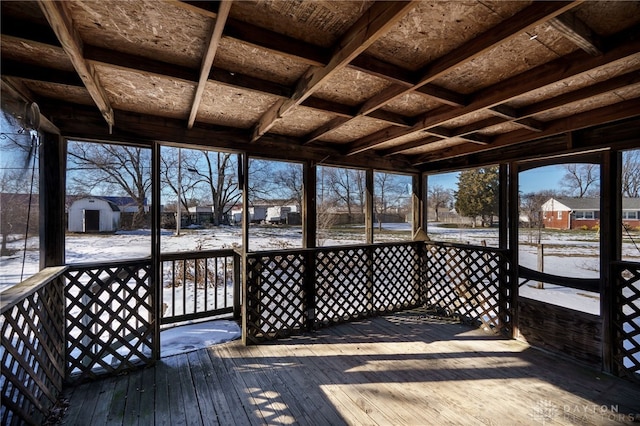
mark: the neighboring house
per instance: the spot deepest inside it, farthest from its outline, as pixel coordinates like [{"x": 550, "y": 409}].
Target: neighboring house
[
  {"x": 576, "y": 213},
  {"x": 93, "y": 214}
]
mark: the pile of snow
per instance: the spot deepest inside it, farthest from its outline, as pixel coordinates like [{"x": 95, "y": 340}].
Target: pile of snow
[{"x": 187, "y": 338}]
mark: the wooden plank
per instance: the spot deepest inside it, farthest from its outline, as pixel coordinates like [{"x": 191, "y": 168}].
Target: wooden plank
[
  {"x": 147, "y": 399},
  {"x": 59, "y": 19},
  {"x": 210, "y": 54},
  {"x": 162, "y": 380},
  {"x": 209, "y": 386},
  {"x": 116, "y": 403},
  {"x": 295, "y": 376},
  {"x": 376, "y": 21},
  {"x": 133, "y": 404},
  {"x": 228, "y": 373},
  {"x": 178, "y": 412},
  {"x": 200, "y": 374}
]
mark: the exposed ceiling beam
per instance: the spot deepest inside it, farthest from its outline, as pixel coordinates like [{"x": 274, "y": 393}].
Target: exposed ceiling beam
[
  {"x": 537, "y": 13},
  {"x": 526, "y": 112},
  {"x": 558, "y": 70},
  {"x": 319, "y": 56},
  {"x": 576, "y": 31},
  {"x": 61, "y": 23},
  {"x": 207, "y": 62},
  {"x": 582, "y": 120},
  {"x": 373, "y": 24},
  {"x": 81, "y": 122}
]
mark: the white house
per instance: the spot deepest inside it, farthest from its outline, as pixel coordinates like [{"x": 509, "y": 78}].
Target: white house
[{"x": 93, "y": 214}]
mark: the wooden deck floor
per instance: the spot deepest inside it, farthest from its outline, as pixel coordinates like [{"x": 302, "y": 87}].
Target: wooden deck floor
[{"x": 403, "y": 369}]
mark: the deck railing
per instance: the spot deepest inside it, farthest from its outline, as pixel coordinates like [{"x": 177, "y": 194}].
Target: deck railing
[
  {"x": 33, "y": 328},
  {"x": 626, "y": 319},
  {"x": 470, "y": 282},
  {"x": 109, "y": 318},
  {"x": 200, "y": 284},
  {"x": 288, "y": 291}
]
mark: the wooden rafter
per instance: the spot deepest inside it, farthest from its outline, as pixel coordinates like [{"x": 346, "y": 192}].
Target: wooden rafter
[
  {"x": 378, "y": 19},
  {"x": 207, "y": 62},
  {"x": 319, "y": 56},
  {"x": 61, "y": 23},
  {"x": 595, "y": 117},
  {"x": 562, "y": 68},
  {"x": 573, "y": 29},
  {"x": 529, "y": 17},
  {"x": 527, "y": 112}
]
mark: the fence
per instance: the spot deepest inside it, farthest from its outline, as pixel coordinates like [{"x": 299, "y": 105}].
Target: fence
[{"x": 200, "y": 284}]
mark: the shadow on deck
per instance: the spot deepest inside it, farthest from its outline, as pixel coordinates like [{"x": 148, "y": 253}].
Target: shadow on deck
[{"x": 405, "y": 368}]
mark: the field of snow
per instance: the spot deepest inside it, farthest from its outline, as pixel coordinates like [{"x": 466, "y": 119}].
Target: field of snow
[{"x": 569, "y": 254}]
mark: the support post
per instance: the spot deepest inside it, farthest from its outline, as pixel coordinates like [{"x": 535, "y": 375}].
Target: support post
[
  {"x": 53, "y": 168},
  {"x": 244, "y": 178},
  {"x": 309, "y": 208},
  {"x": 368, "y": 214},
  {"x": 610, "y": 251},
  {"x": 156, "y": 264},
  {"x": 513, "y": 285}
]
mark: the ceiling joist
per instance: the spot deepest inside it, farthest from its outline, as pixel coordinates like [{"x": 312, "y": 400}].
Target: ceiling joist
[
  {"x": 375, "y": 22},
  {"x": 207, "y": 62},
  {"x": 61, "y": 23}
]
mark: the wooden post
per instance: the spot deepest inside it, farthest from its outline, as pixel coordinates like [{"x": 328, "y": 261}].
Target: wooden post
[
  {"x": 368, "y": 214},
  {"x": 156, "y": 264},
  {"x": 309, "y": 209},
  {"x": 511, "y": 302},
  {"x": 53, "y": 168},
  {"x": 610, "y": 251},
  {"x": 244, "y": 159},
  {"x": 540, "y": 263}
]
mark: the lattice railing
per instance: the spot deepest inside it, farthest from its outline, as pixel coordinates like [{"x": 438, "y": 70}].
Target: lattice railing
[
  {"x": 294, "y": 290},
  {"x": 110, "y": 318},
  {"x": 32, "y": 324},
  {"x": 199, "y": 284},
  {"x": 343, "y": 285},
  {"x": 470, "y": 282},
  {"x": 397, "y": 277},
  {"x": 626, "y": 319},
  {"x": 275, "y": 294}
]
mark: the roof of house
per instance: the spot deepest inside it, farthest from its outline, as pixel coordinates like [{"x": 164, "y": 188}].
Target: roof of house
[
  {"x": 593, "y": 203},
  {"x": 398, "y": 85}
]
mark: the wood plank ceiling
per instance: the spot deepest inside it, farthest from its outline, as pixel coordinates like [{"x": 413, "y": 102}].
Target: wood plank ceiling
[{"x": 397, "y": 85}]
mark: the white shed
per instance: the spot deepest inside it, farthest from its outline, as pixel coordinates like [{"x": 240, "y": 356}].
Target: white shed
[{"x": 93, "y": 215}]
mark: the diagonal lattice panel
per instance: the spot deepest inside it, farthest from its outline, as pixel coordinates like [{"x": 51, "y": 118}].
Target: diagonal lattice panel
[
  {"x": 343, "y": 289},
  {"x": 397, "y": 279},
  {"x": 275, "y": 295},
  {"x": 32, "y": 357},
  {"x": 626, "y": 321},
  {"x": 469, "y": 282},
  {"x": 109, "y": 319}
]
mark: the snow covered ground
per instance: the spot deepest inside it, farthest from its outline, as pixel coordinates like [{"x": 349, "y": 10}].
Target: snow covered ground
[{"x": 568, "y": 254}]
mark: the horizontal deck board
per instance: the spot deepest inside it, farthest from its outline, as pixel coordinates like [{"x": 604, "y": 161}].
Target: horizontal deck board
[{"x": 406, "y": 368}]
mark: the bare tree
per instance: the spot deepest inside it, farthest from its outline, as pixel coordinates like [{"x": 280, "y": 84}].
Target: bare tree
[
  {"x": 438, "y": 197},
  {"x": 631, "y": 174},
  {"x": 581, "y": 180},
  {"x": 221, "y": 180},
  {"x": 104, "y": 168},
  {"x": 347, "y": 188},
  {"x": 288, "y": 183}
]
